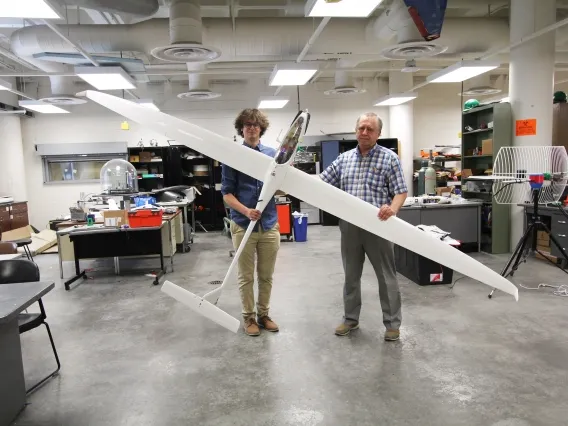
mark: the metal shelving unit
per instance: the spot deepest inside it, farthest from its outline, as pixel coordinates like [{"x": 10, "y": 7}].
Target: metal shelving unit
[{"x": 495, "y": 217}]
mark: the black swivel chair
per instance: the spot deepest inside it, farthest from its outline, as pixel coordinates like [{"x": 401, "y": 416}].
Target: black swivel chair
[{"x": 21, "y": 271}]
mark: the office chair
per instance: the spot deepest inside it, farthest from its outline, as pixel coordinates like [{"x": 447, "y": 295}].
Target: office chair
[
  {"x": 8, "y": 248},
  {"x": 22, "y": 271}
]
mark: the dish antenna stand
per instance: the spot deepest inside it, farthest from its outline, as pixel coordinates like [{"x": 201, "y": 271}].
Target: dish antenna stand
[{"x": 534, "y": 175}]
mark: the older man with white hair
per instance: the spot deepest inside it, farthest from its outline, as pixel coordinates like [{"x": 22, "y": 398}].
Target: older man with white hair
[{"x": 374, "y": 174}]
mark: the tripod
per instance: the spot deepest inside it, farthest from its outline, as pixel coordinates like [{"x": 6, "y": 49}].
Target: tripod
[{"x": 523, "y": 250}]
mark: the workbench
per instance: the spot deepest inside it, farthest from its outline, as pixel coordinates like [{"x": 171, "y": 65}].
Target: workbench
[
  {"x": 97, "y": 241},
  {"x": 462, "y": 220}
]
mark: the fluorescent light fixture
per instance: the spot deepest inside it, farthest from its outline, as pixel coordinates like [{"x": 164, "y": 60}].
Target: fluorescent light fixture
[
  {"x": 461, "y": 71},
  {"x": 149, "y": 103},
  {"x": 29, "y": 9},
  {"x": 106, "y": 77},
  {"x": 272, "y": 102},
  {"x": 4, "y": 85},
  {"x": 341, "y": 8},
  {"x": 395, "y": 99},
  {"x": 43, "y": 107},
  {"x": 292, "y": 74}
]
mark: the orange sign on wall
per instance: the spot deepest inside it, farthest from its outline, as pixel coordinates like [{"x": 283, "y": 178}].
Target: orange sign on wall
[{"x": 526, "y": 127}]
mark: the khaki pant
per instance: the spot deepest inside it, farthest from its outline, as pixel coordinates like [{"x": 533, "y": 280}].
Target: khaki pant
[{"x": 265, "y": 245}]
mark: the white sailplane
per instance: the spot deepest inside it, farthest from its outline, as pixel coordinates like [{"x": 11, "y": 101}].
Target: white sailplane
[{"x": 277, "y": 174}]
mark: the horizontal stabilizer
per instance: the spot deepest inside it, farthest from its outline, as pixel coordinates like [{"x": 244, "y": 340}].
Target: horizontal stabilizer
[{"x": 201, "y": 306}]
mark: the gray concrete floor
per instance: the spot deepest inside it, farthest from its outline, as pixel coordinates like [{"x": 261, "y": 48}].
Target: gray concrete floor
[{"x": 133, "y": 356}]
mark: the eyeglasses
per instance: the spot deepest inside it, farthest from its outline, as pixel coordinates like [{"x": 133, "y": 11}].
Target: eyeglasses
[{"x": 249, "y": 125}]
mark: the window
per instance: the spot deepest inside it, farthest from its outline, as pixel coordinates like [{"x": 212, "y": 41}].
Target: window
[{"x": 75, "y": 168}]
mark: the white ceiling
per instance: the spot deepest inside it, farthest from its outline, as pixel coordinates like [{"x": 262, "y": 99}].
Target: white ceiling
[{"x": 251, "y": 11}]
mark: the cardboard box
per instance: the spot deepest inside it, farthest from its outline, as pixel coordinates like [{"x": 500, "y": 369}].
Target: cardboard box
[
  {"x": 145, "y": 156},
  {"x": 444, "y": 191},
  {"x": 543, "y": 239},
  {"x": 487, "y": 146},
  {"x": 465, "y": 173},
  {"x": 115, "y": 218},
  {"x": 547, "y": 256}
]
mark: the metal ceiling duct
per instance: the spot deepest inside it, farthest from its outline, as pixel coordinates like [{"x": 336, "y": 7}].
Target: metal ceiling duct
[
  {"x": 344, "y": 85},
  {"x": 480, "y": 86},
  {"x": 132, "y": 8},
  {"x": 198, "y": 85},
  {"x": 186, "y": 33},
  {"x": 397, "y": 21}
]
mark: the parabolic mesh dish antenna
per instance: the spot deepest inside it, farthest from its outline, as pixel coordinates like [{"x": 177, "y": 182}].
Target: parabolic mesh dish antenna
[
  {"x": 531, "y": 175},
  {"x": 518, "y": 168}
]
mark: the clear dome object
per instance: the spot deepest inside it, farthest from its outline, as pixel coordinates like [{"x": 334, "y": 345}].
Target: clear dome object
[{"x": 119, "y": 177}]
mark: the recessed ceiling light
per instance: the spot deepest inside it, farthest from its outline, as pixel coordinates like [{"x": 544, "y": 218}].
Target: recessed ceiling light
[
  {"x": 42, "y": 107},
  {"x": 30, "y": 9},
  {"x": 395, "y": 99},
  {"x": 341, "y": 8},
  {"x": 294, "y": 74},
  {"x": 106, "y": 77},
  {"x": 4, "y": 85},
  {"x": 461, "y": 71},
  {"x": 272, "y": 102}
]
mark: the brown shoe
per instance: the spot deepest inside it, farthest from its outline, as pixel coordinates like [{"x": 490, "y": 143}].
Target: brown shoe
[
  {"x": 392, "y": 335},
  {"x": 267, "y": 323},
  {"x": 345, "y": 329},
  {"x": 251, "y": 327}
]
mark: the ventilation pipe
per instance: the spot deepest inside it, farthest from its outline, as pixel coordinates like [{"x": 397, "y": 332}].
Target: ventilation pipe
[
  {"x": 479, "y": 86},
  {"x": 186, "y": 35},
  {"x": 198, "y": 85},
  {"x": 344, "y": 80},
  {"x": 126, "y": 8},
  {"x": 396, "y": 21},
  {"x": 30, "y": 43}
]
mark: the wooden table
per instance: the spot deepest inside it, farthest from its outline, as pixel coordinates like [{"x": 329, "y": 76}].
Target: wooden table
[{"x": 14, "y": 298}]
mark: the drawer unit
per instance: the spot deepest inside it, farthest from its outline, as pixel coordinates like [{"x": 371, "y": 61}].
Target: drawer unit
[
  {"x": 19, "y": 208},
  {"x": 13, "y": 216}
]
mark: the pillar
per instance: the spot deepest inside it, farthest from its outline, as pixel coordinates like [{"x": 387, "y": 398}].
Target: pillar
[
  {"x": 401, "y": 125},
  {"x": 531, "y": 80}
]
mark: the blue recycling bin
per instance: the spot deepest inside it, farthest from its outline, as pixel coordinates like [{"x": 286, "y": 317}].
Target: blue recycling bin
[{"x": 300, "y": 227}]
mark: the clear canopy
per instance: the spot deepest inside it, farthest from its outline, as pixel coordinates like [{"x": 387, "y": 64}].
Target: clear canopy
[{"x": 119, "y": 177}]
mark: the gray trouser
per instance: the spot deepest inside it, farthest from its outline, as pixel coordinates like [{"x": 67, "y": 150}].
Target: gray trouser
[{"x": 355, "y": 243}]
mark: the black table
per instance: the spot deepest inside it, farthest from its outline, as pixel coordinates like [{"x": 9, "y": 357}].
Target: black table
[
  {"x": 98, "y": 241},
  {"x": 14, "y": 298}
]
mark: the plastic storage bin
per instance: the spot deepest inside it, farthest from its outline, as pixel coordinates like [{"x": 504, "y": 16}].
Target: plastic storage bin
[
  {"x": 145, "y": 218},
  {"x": 300, "y": 226}
]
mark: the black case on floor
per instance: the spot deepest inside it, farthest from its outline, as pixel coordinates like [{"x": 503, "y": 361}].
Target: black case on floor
[{"x": 419, "y": 269}]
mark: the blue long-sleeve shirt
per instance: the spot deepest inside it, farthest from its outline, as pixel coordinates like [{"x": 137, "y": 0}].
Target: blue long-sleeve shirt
[{"x": 247, "y": 190}]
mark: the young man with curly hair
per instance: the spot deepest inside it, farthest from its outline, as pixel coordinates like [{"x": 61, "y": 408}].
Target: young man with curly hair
[{"x": 241, "y": 193}]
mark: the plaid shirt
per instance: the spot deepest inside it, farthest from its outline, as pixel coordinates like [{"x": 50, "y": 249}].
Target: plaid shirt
[{"x": 375, "y": 178}]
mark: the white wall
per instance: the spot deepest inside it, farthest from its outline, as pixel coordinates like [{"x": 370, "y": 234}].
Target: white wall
[
  {"x": 92, "y": 123},
  {"x": 12, "y": 169},
  {"x": 437, "y": 116}
]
